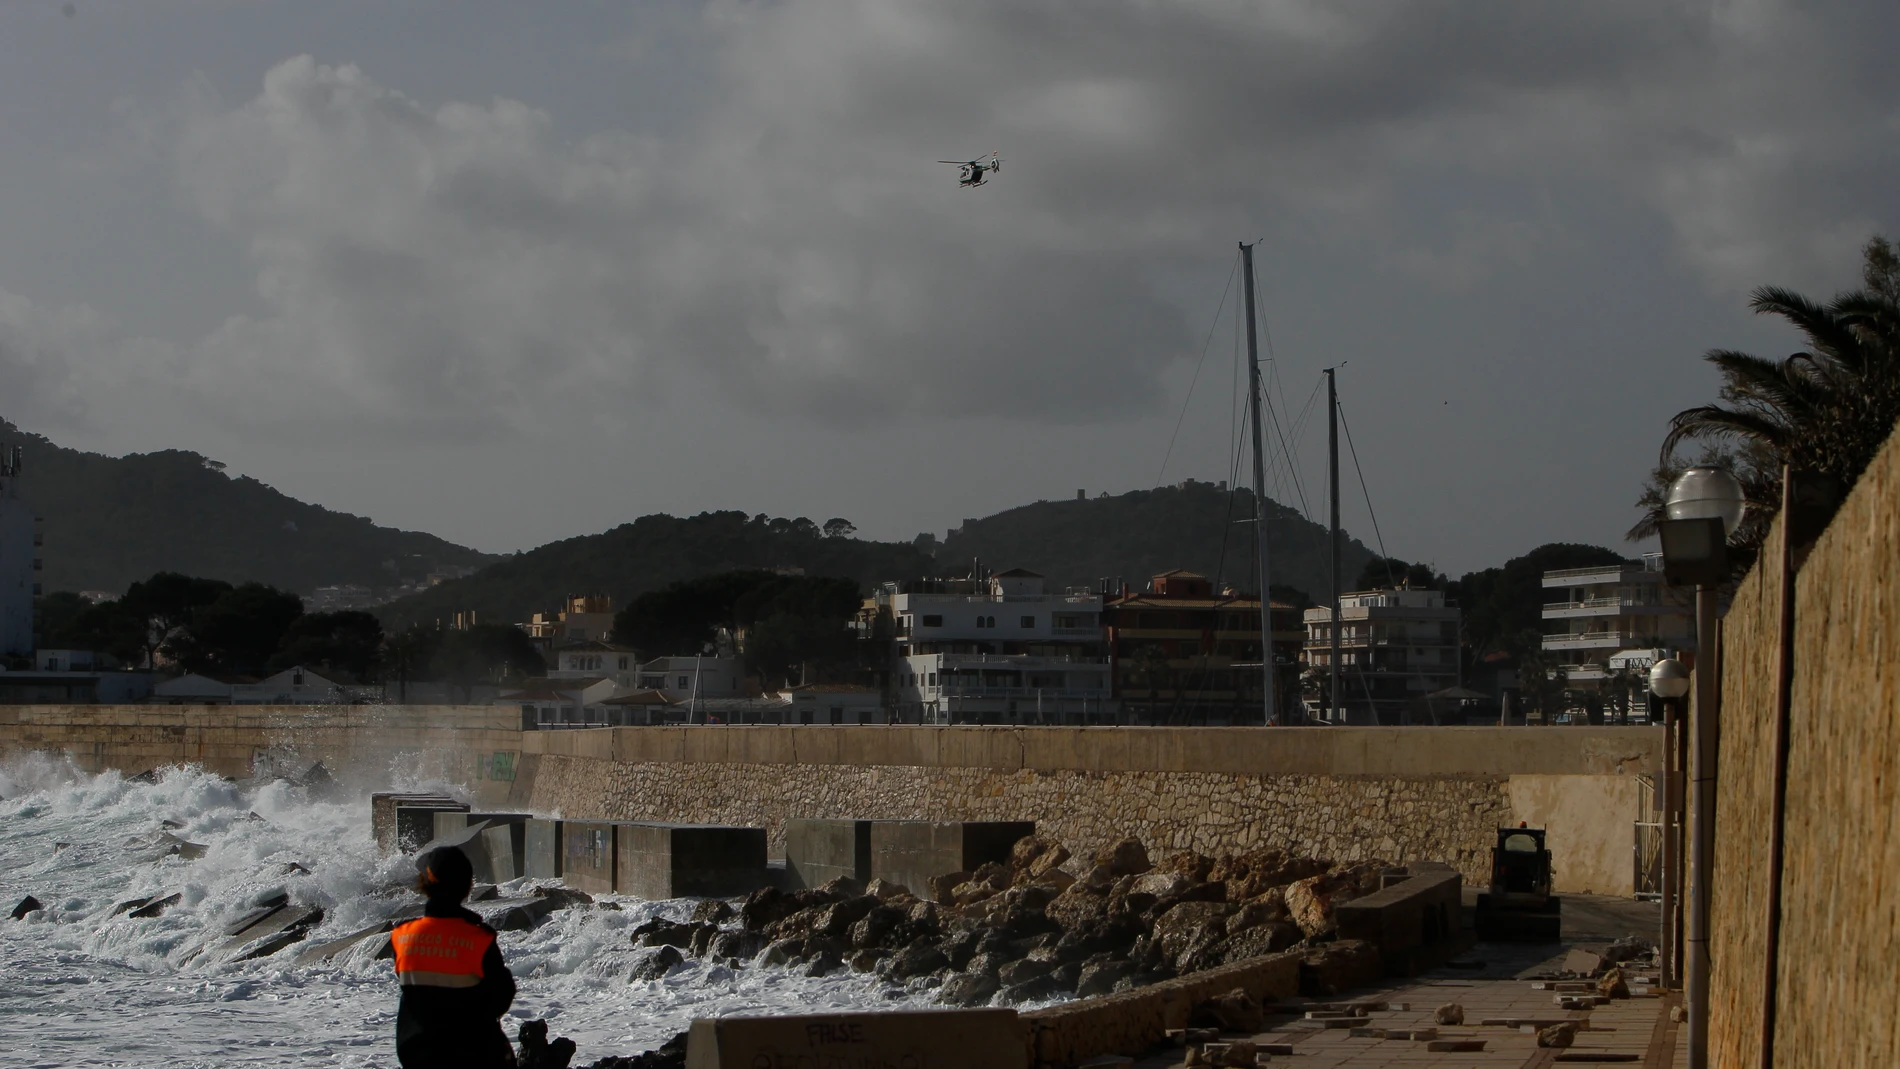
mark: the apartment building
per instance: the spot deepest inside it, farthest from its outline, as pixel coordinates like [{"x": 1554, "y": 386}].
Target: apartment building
[
  {"x": 1183, "y": 651},
  {"x": 997, "y": 649},
  {"x": 1396, "y": 647},
  {"x": 1604, "y": 626}
]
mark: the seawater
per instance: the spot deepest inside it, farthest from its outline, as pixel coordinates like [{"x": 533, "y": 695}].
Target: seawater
[{"x": 79, "y": 987}]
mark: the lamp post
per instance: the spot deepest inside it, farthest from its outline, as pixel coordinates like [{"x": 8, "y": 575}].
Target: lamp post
[
  {"x": 1669, "y": 682},
  {"x": 1705, "y": 505}
]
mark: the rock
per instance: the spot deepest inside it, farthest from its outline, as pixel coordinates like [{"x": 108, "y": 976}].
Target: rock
[
  {"x": 875, "y": 926},
  {"x": 657, "y": 964},
  {"x": 970, "y": 892},
  {"x": 1678, "y": 1014},
  {"x": 1032, "y": 990},
  {"x": 1189, "y": 864},
  {"x": 925, "y": 917},
  {"x": 960, "y": 947},
  {"x": 1125, "y": 858},
  {"x": 823, "y": 962},
  {"x": 765, "y": 906},
  {"x": 1028, "y": 849},
  {"x": 1257, "y": 941},
  {"x": 1067, "y": 975},
  {"x": 915, "y": 961},
  {"x": 535, "y": 1052},
  {"x": 1451, "y": 1013},
  {"x": 1562, "y": 1034},
  {"x": 841, "y": 887},
  {"x": 968, "y": 989},
  {"x": 565, "y": 897},
  {"x": 662, "y": 932},
  {"x": 1258, "y": 911},
  {"x": 1055, "y": 879},
  {"x": 27, "y": 905},
  {"x": 672, "y": 1055},
  {"x": 1099, "y": 978},
  {"x": 866, "y": 960},
  {"x": 1076, "y": 906},
  {"x": 1097, "y": 880},
  {"x": 1191, "y": 922},
  {"x": 1235, "y": 1011},
  {"x": 1162, "y": 883},
  {"x": 1024, "y": 970},
  {"x": 1310, "y": 902},
  {"x": 1234, "y": 1054},
  {"x": 714, "y": 911},
  {"x": 1612, "y": 985},
  {"x": 782, "y": 952},
  {"x": 836, "y": 919},
  {"x": 886, "y": 890},
  {"x": 943, "y": 888}
]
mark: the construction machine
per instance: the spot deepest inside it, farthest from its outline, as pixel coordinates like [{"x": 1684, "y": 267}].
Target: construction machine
[{"x": 1519, "y": 907}]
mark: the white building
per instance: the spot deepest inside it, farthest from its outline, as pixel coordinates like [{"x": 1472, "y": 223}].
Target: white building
[
  {"x": 1605, "y": 625},
  {"x": 19, "y": 559},
  {"x": 597, "y": 660},
  {"x": 292, "y": 686},
  {"x": 1395, "y": 647},
  {"x": 682, "y": 679},
  {"x": 996, "y": 649},
  {"x": 834, "y": 703}
]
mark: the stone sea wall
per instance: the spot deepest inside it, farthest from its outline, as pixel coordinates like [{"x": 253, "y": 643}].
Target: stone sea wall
[{"x": 1346, "y": 819}]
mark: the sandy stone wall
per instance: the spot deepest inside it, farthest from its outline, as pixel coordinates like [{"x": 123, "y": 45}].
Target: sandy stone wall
[
  {"x": 1213, "y": 813},
  {"x": 1838, "y": 1003}
]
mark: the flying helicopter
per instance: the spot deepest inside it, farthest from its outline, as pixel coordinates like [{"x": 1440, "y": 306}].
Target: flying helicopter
[{"x": 975, "y": 171}]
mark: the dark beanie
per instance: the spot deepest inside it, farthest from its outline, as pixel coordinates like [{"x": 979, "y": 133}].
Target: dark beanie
[{"x": 445, "y": 873}]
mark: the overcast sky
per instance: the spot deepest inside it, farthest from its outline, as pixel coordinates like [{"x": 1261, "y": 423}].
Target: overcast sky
[{"x": 512, "y": 272}]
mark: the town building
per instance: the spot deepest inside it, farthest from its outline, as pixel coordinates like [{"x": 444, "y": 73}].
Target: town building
[
  {"x": 692, "y": 678},
  {"x": 584, "y": 618},
  {"x": 294, "y": 686},
  {"x": 19, "y": 559},
  {"x": 1186, "y": 653},
  {"x": 997, "y": 649},
  {"x": 596, "y": 659},
  {"x": 1397, "y": 647},
  {"x": 834, "y": 703},
  {"x": 195, "y": 689},
  {"x": 1604, "y": 627}
]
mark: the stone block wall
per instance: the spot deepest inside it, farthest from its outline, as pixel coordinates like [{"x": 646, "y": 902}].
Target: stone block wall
[{"x": 1349, "y": 819}]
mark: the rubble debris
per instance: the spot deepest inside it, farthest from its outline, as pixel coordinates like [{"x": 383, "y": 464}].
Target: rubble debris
[
  {"x": 1451, "y": 1013},
  {"x": 1562, "y": 1034},
  {"x": 27, "y": 905}
]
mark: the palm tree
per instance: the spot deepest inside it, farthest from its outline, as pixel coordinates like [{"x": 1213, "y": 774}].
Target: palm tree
[{"x": 1827, "y": 408}]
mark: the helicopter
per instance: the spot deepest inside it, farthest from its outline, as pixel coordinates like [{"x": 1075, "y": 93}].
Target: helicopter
[{"x": 974, "y": 171}]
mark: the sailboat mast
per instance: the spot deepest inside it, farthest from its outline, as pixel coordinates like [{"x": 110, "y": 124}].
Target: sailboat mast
[
  {"x": 1332, "y": 539},
  {"x": 1259, "y": 491}
]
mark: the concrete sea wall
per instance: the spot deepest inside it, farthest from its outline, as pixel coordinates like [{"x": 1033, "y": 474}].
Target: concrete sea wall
[
  {"x": 1401, "y": 794},
  {"x": 1837, "y": 1002}
]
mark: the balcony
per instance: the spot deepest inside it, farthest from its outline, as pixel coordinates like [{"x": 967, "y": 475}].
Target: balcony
[{"x": 1599, "y": 640}]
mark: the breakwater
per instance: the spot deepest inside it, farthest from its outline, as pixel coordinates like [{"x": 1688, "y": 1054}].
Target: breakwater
[{"x": 1345, "y": 793}]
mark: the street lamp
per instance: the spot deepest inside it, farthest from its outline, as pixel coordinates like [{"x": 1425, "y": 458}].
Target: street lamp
[
  {"x": 1705, "y": 505},
  {"x": 1669, "y": 682}
]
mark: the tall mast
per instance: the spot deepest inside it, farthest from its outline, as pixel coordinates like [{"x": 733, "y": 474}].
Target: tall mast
[
  {"x": 1332, "y": 539},
  {"x": 1259, "y": 491}
]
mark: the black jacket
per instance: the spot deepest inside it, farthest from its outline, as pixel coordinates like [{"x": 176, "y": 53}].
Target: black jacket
[{"x": 457, "y": 1028}]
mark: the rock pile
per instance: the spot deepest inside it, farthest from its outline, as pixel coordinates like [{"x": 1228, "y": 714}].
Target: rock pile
[{"x": 1043, "y": 925}]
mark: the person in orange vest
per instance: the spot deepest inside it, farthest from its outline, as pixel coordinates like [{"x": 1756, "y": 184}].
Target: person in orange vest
[{"x": 455, "y": 986}]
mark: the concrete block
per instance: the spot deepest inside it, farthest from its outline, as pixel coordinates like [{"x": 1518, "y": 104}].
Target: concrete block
[
  {"x": 1404, "y": 918},
  {"x": 910, "y": 852},
  {"x": 504, "y": 841},
  {"x": 1455, "y": 1045},
  {"x": 661, "y": 861},
  {"x": 819, "y": 851},
  {"x": 941, "y": 1039},
  {"x": 589, "y": 852},
  {"x": 383, "y": 819},
  {"x": 542, "y": 855}
]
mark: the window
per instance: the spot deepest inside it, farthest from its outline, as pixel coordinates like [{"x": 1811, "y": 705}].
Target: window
[
  {"x": 1029, "y": 623},
  {"x": 933, "y": 621},
  {"x": 933, "y": 679},
  {"x": 989, "y": 621},
  {"x": 685, "y": 682},
  {"x": 623, "y": 664}
]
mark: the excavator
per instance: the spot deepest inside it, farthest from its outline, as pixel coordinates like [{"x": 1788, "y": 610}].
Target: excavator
[{"x": 1519, "y": 907}]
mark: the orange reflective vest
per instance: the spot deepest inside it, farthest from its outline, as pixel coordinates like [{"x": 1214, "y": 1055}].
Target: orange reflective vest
[{"x": 440, "y": 952}]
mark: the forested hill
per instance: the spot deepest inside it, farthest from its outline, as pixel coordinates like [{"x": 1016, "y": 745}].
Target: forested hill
[
  {"x": 111, "y": 521},
  {"x": 649, "y": 553},
  {"x": 1147, "y": 532}
]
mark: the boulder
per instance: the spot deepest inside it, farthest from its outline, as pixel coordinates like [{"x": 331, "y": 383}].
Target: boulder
[
  {"x": 1161, "y": 883},
  {"x": 1561, "y": 1034},
  {"x": 1032, "y": 990},
  {"x": 823, "y": 963},
  {"x": 1613, "y": 985},
  {"x": 943, "y": 888},
  {"x": 915, "y": 961},
  {"x": 1256, "y": 942},
  {"x": 536, "y": 1052},
  {"x": 782, "y": 951},
  {"x": 836, "y": 919},
  {"x": 1125, "y": 858},
  {"x": 866, "y": 960},
  {"x": 1188, "y": 863},
  {"x": 968, "y": 989},
  {"x": 1032, "y": 849},
  {"x": 765, "y": 906},
  {"x": 27, "y": 905},
  {"x": 713, "y": 910},
  {"x": 1099, "y": 978},
  {"x": 1076, "y": 906},
  {"x": 841, "y": 887},
  {"x": 1451, "y": 1013},
  {"x": 662, "y": 932},
  {"x": 886, "y": 890},
  {"x": 876, "y": 926},
  {"x": 657, "y": 962},
  {"x": 1260, "y": 910},
  {"x": 1339, "y": 967},
  {"x": 565, "y": 897},
  {"x": 1311, "y": 902},
  {"x": 737, "y": 944},
  {"x": 1024, "y": 970},
  {"x": 1191, "y": 922}
]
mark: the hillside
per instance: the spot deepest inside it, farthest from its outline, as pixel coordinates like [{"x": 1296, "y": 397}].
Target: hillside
[
  {"x": 647, "y": 554},
  {"x": 1146, "y": 532},
  {"x": 110, "y": 521}
]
